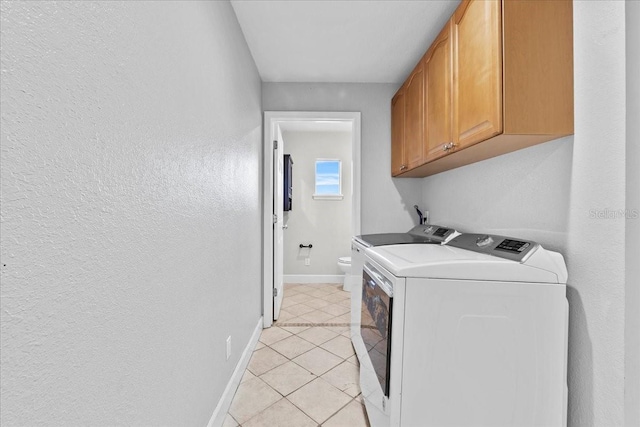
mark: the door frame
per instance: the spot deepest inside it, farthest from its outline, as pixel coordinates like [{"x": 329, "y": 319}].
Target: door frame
[{"x": 272, "y": 120}]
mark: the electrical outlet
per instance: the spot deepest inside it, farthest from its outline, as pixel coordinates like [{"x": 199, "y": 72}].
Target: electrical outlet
[
  {"x": 228, "y": 347},
  {"x": 307, "y": 261},
  {"x": 426, "y": 217}
]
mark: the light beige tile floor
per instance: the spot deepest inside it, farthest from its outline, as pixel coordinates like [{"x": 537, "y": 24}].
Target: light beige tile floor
[{"x": 303, "y": 372}]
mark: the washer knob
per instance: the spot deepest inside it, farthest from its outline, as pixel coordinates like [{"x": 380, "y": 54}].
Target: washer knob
[{"x": 484, "y": 241}]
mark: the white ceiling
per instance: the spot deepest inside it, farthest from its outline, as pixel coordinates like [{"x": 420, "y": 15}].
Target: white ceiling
[{"x": 364, "y": 41}]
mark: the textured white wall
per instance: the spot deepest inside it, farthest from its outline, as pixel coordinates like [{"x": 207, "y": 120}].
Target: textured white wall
[
  {"x": 131, "y": 135},
  {"x": 595, "y": 247},
  {"x": 632, "y": 267},
  {"x": 387, "y": 203},
  {"x": 324, "y": 223},
  {"x": 553, "y": 193},
  {"x": 525, "y": 193}
]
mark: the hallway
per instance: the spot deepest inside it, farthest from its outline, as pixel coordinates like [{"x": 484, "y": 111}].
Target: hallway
[{"x": 303, "y": 371}]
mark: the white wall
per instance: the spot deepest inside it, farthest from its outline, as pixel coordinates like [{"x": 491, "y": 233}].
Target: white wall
[
  {"x": 387, "y": 204},
  {"x": 324, "y": 223},
  {"x": 632, "y": 266},
  {"x": 554, "y": 193},
  {"x": 131, "y": 135}
]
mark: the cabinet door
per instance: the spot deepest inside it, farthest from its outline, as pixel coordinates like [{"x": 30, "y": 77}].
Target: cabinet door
[
  {"x": 414, "y": 118},
  {"x": 477, "y": 72},
  {"x": 438, "y": 96},
  {"x": 398, "y": 165}
]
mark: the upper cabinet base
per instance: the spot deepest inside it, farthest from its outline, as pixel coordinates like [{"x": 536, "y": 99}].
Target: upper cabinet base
[{"x": 492, "y": 147}]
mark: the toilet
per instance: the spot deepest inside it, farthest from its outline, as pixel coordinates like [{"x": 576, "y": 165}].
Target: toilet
[{"x": 344, "y": 264}]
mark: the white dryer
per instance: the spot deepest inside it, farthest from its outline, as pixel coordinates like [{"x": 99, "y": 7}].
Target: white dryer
[{"x": 473, "y": 333}]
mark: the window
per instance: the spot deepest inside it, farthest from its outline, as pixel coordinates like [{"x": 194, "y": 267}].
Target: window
[{"x": 328, "y": 179}]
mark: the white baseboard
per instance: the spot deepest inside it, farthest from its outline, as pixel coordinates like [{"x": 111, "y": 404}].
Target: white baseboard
[
  {"x": 219, "y": 414},
  {"x": 313, "y": 278}
]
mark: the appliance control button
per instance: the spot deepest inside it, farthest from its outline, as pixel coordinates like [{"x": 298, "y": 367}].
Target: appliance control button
[{"x": 484, "y": 241}]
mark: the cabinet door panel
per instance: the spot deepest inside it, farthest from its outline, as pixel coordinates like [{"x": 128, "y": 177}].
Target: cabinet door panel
[
  {"x": 397, "y": 134},
  {"x": 477, "y": 72},
  {"x": 414, "y": 118},
  {"x": 438, "y": 96}
]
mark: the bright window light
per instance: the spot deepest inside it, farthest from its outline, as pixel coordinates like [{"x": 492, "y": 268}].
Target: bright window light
[{"x": 328, "y": 179}]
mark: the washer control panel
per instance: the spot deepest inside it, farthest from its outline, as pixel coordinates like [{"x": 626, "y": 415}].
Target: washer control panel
[
  {"x": 500, "y": 246},
  {"x": 434, "y": 232},
  {"x": 513, "y": 246}
]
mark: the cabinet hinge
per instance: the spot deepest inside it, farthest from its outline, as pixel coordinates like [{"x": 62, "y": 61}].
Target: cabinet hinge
[
  {"x": 275, "y": 144},
  {"x": 275, "y": 292},
  {"x": 275, "y": 218}
]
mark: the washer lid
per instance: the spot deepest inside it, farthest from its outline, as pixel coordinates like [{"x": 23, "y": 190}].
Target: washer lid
[
  {"x": 369, "y": 240},
  {"x": 445, "y": 262},
  {"x": 425, "y": 233}
]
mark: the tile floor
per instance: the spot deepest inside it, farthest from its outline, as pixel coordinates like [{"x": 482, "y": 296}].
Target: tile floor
[{"x": 303, "y": 371}]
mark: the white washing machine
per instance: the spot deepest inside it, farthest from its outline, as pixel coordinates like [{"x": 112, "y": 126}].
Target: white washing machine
[
  {"x": 472, "y": 333},
  {"x": 429, "y": 234}
]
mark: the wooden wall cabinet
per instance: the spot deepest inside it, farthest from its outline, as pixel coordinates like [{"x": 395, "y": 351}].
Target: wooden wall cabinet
[
  {"x": 498, "y": 78},
  {"x": 407, "y": 120},
  {"x": 398, "y": 162},
  {"x": 477, "y": 88},
  {"x": 438, "y": 96}
]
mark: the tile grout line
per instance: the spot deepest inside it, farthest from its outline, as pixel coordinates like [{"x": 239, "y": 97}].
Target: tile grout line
[
  {"x": 335, "y": 303},
  {"x": 344, "y": 360},
  {"x": 334, "y": 414},
  {"x": 297, "y": 364},
  {"x": 330, "y": 416},
  {"x": 311, "y": 325},
  {"x": 293, "y": 391}
]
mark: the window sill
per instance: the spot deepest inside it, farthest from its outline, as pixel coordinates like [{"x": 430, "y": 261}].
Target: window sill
[{"x": 328, "y": 197}]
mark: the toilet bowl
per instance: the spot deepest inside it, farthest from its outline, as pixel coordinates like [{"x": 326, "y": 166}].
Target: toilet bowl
[{"x": 344, "y": 264}]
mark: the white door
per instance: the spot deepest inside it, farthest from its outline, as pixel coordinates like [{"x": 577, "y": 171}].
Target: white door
[{"x": 278, "y": 226}]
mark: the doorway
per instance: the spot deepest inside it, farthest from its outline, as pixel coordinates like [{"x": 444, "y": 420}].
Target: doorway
[{"x": 274, "y": 122}]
